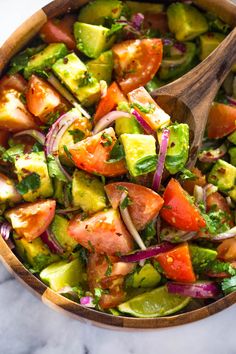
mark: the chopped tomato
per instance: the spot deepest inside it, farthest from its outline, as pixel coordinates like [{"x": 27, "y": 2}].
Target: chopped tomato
[
  {"x": 15, "y": 82},
  {"x": 145, "y": 206},
  {"x": 14, "y": 116},
  {"x": 177, "y": 264},
  {"x": 227, "y": 250},
  {"x": 92, "y": 154},
  {"x": 200, "y": 180},
  {"x": 59, "y": 31},
  {"x": 148, "y": 108},
  {"x": 42, "y": 99},
  {"x": 136, "y": 62},
  {"x": 30, "y": 220},
  {"x": 156, "y": 21},
  {"x": 104, "y": 232},
  {"x": 218, "y": 202},
  {"x": 178, "y": 209},
  {"x": 108, "y": 273},
  {"x": 113, "y": 97},
  {"x": 4, "y": 136},
  {"x": 221, "y": 120}
]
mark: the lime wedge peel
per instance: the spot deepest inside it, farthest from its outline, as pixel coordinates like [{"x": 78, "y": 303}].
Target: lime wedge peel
[{"x": 155, "y": 303}]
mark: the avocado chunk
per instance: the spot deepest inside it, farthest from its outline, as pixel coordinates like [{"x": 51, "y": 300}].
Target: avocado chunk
[
  {"x": 232, "y": 194},
  {"x": 232, "y": 154},
  {"x": 127, "y": 126},
  {"x": 35, "y": 253},
  {"x": 59, "y": 228},
  {"x": 101, "y": 68},
  {"x": 223, "y": 175},
  {"x": 201, "y": 257},
  {"x": 74, "y": 74},
  {"x": 88, "y": 192},
  {"x": 58, "y": 187},
  {"x": 8, "y": 192},
  {"x": 143, "y": 7},
  {"x": 178, "y": 147},
  {"x": 92, "y": 40},
  {"x": 140, "y": 153},
  {"x": 97, "y": 11},
  {"x": 61, "y": 274},
  {"x": 209, "y": 42},
  {"x": 154, "y": 84},
  {"x": 28, "y": 164},
  {"x": 232, "y": 138},
  {"x": 177, "y": 65},
  {"x": 146, "y": 277},
  {"x": 45, "y": 58},
  {"x": 185, "y": 21}
]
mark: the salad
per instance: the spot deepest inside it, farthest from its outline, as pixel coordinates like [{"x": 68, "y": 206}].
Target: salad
[{"x": 96, "y": 195}]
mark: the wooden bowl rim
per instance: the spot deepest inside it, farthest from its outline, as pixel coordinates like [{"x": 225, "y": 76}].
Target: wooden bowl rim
[{"x": 48, "y": 296}]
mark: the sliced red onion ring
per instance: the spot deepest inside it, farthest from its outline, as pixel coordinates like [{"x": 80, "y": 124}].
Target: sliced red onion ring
[
  {"x": 210, "y": 189},
  {"x": 129, "y": 223},
  {"x": 161, "y": 160},
  {"x": 5, "y": 230},
  {"x": 199, "y": 195},
  {"x": 148, "y": 253},
  {"x": 142, "y": 122},
  {"x": 181, "y": 47},
  {"x": 137, "y": 20},
  {"x": 230, "y": 202},
  {"x": 67, "y": 95},
  {"x": 67, "y": 211},
  {"x": 167, "y": 41},
  {"x": 109, "y": 119},
  {"x": 49, "y": 239},
  {"x": 213, "y": 154},
  {"x": 173, "y": 235},
  {"x": 199, "y": 290},
  {"x": 87, "y": 301},
  {"x": 224, "y": 235},
  {"x": 231, "y": 100},
  {"x": 34, "y": 133}
]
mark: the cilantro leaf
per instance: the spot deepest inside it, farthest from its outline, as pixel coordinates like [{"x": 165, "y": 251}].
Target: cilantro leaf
[
  {"x": 148, "y": 108},
  {"x": 54, "y": 170},
  {"x": 85, "y": 80},
  {"x": 13, "y": 152},
  {"x": 126, "y": 202},
  {"x": 186, "y": 174},
  {"x": 107, "y": 140},
  {"x": 29, "y": 183},
  {"x": 117, "y": 153},
  {"x": 149, "y": 233},
  {"x": 146, "y": 164},
  {"x": 20, "y": 61},
  {"x": 228, "y": 285},
  {"x": 77, "y": 134},
  {"x": 115, "y": 28},
  {"x": 109, "y": 266}
]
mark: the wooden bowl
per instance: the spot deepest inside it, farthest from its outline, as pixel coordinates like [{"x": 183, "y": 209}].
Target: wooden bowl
[{"x": 224, "y": 9}]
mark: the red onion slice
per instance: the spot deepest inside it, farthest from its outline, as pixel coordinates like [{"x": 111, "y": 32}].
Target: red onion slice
[
  {"x": 109, "y": 119},
  {"x": 199, "y": 290},
  {"x": 161, "y": 160},
  {"x": 213, "y": 154},
  {"x": 67, "y": 211},
  {"x": 34, "y": 133},
  {"x": 143, "y": 123},
  {"x": 49, "y": 239},
  {"x": 87, "y": 301},
  {"x": 5, "y": 230},
  {"x": 137, "y": 21},
  {"x": 148, "y": 253},
  {"x": 173, "y": 235},
  {"x": 231, "y": 100},
  {"x": 224, "y": 235},
  {"x": 210, "y": 189}
]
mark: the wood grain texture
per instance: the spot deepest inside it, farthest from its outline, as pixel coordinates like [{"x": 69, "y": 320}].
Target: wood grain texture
[{"x": 16, "y": 42}]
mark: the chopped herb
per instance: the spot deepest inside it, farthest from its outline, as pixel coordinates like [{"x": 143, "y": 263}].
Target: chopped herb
[
  {"x": 109, "y": 268},
  {"x": 216, "y": 220},
  {"x": 23, "y": 98},
  {"x": 90, "y": 245},
  {"x": 29, "y": 183},
  {"x": 54, "y": 170},
  {"x": 186, "y": 174},
  {"x": 12, "y": 153},
  {"x": 117, "y": 153},
  {"x": 146, "y": 164},
  {"x": 149, "y": 108},
  {"x": 115, "y": 28},
  {"x": 77, "y": 134},
  {"x": 123, "y": 106},
  {"x": 126, "y": 202},
  {"x": 37, "y": 147},
  {"x": 20, "y": 61},
  {"x": 228, "y": 285},
  {"x": 149, "y": 233},
  {"x": 85, "y": 80},
  {"x": 217, "y": 267},
  {"x": 107, "y": 140},
  {"x": 52, "y": 117},
  {"x": 121, "y": 188},
  {"x": 42, "y": 73},
  {"x": 103, "y": 179},
  {"x": 68, "y": 154},
  {"x": 97, "y": 295}
]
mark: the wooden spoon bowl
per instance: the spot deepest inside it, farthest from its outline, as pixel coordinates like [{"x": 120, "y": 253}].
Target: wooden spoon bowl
[{"x": 224, "y": 9}]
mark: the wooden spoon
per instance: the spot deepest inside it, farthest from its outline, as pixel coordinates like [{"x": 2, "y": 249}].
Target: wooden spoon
[{"x": 189, "y": 98}]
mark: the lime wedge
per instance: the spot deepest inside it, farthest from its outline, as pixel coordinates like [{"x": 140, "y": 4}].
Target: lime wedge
[{"x": 155, "y": 303}]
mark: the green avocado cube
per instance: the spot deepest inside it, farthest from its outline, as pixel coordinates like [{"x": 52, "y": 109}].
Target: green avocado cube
[
  {"x": 102, "y": 67},
  {"x": 125, "y": 125},
  {"x": 209, "y": 42},
  {"x": 34, "y": 162},
  {"x": 140, "y": 153},
  {"x": 232, "y": 138},
  {"x": 143, "y": 7},
  {"x": 74, "y": 74},
  {"x": 223, "y": 175},
  {"x": 201, "y": 257},
  {"x": 34, "y": 253},
  {"x": 61, "y": 274},
  {"x": 96, "y": 12},
  {"x": 232, "y": 154},
  {"x": 92, "y": 40},
  {"x": 146, "y": 277},
  {"x": 88, "y": 192},
  {"x": 45, "y": 59},
  {"x": 232, "y": 194},
  {"x": 59, "y": 228},
  {"x": 185, "y": 21}
]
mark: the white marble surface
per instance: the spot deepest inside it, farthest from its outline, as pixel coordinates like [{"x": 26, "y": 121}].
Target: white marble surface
[{"x": 29, "y": 327}]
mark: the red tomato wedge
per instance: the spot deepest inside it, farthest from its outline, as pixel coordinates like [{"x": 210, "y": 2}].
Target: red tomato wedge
[
  {"x": 30, "y": 220},
  {"x": 156, "y": 21},
  {"x": 59, "y": 31},
  {"x": 145, "y": 206},
  {"x": 15, "y": 82},
  {"x": 104, "y": 232},
  {"x": 177, "y": 264},
  {"x": 221, "y": 120},
  {"x": 178, "y": 210},
  {"x": 14, "y": 116},
  {"x": 227, "y": 250},
  {"x": 113, "y": 97},
  {"x": 218, "y": 202},
  {"x": 42, "y": 99},
  {"x": 98, "y": 265},
  {"x": 92, "y": 154},
  {"x": 148, "y": 108},
  {"x": 200, "y": 180},
  {"x": 136, "y": 62},
  {"x": 4, "y": 135}
]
